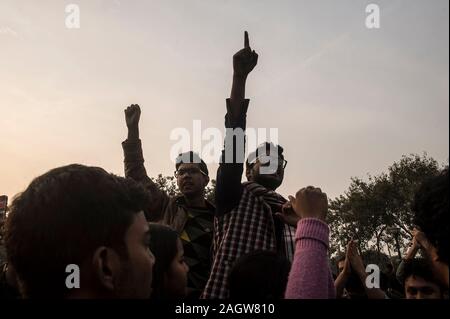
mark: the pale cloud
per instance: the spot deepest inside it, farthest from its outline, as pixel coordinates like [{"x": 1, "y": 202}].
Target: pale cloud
[{"x": 8, "y": 31}]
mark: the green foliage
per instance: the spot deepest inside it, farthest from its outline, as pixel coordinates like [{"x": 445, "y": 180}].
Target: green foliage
[{"x": 375, "y": 210}]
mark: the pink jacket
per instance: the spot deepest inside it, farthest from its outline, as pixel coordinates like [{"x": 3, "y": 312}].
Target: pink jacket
[{"x": 310, "y": 276}]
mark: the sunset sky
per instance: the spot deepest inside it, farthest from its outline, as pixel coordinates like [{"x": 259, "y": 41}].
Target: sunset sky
[{"x": 346, "y": 100}]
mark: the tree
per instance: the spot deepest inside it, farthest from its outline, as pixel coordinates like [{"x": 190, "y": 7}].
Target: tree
[{"x": 377, "y": 212}]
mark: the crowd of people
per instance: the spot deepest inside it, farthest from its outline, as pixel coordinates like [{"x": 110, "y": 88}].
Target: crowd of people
[{"x": 130, "y": 239}]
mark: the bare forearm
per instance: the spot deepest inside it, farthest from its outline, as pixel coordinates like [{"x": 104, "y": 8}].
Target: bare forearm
[
  {"x": 238, "y": 87},
  {"x": 372, "y": 293},
  {"x": 339, "y": 284},
  {"x": 411, "y": 253}
]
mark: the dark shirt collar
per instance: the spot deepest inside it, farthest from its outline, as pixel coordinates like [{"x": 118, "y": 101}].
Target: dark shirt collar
[{"x": 181, "y": 201}]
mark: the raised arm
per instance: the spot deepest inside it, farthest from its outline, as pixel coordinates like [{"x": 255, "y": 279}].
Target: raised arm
[
  {"x": 244, "y": 62},
  {"x": 410, "y": 255},
  {"x": 343, "y": 276},
  {"x": 134, "y": 164},
  {"x": 359, "y": 268},
  {"x": 229, "y": 174}
]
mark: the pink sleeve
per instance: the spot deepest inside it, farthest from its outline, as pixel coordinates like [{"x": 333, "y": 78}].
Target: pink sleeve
[{"x": 310, "y": 276}]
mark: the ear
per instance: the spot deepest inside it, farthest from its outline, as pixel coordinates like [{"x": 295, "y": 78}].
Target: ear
[
  {"x": 106, "y": 263},
  {"x": 248, "y": 173}
]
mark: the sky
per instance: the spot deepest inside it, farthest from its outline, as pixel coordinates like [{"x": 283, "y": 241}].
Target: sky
[{"x": 346, "y": 100}]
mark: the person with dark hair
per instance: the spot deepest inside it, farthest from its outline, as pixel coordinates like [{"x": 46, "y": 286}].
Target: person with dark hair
[
  {"x": 431, "y": 209},
  {"x": 389, "y": 282},
  {"x": 419, "y": 281},
  {"x": 259, "y": 275},
  {"x": 347, "y": 283},
  {"x": 351, "y": 280},
  {"x": 248, "y": 215},
  {"x": 389, "y": 268},
  {"x": 261, "y": 157},
  {"x": 190, "y": 214},
  {"x": 170, "y": 269},
  {"x": 80, "y": 232},
  {"x": 340, "y": 263},
  {"x": 409, "y": 256}
]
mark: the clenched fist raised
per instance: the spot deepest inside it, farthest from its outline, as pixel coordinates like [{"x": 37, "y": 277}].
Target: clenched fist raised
[
  {"x": 132, "y": 116},
  {"x": 310, "y": 202}
]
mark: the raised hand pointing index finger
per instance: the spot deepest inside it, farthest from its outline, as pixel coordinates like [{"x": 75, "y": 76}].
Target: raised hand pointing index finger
[{"x": 246, "y": 40}]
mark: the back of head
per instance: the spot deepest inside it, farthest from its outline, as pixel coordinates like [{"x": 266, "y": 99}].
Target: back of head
[
  {"x": 61, "y": 218},
  {"x": 163, "y": 244},
  {"x": 259, "y": 275},
  {"x": 431, "y": 208}
]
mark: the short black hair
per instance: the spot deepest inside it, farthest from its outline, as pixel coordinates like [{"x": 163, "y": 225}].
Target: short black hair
[
  {"x": 191, "y": 158},
  {"x": 259, "y": 275},
  {"x": 267, "y": 146},
  {"x": 431, "y": 208},
  {"x": 419, "y": 267},
  {"x": 163, "y": 244},
  {"x": 61, "y": 218},
  {"x": 340, "y": 258}
]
